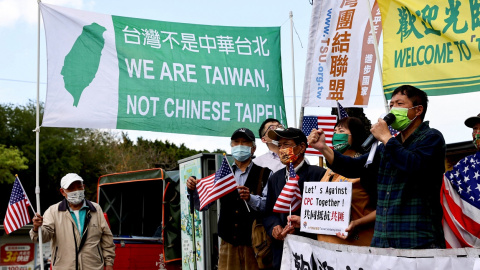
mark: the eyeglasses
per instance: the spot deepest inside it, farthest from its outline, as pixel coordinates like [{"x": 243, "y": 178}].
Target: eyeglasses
[
  {"x": 286, "y": 145},
  {"x": 273, "y": 127}
]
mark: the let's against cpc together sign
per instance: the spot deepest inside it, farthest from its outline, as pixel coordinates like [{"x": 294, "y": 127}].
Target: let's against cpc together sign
[{"x": 326, "y": 207}]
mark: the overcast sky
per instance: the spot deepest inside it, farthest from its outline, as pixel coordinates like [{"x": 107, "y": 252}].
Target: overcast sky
[{"x": 18, "y": 56}]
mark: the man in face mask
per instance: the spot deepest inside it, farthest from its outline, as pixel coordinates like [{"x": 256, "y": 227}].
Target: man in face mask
[
  {"x": 79, "y": 234},
  {"x": 408, "y": 171},
  {"x": 292, "y": 145},
  {"x": 239, "y": 209}
]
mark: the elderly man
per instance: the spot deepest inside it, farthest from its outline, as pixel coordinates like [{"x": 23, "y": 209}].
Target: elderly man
[
  {"x": 269, "y": 159},
  {"x": 292, "y": 144},
  {"x": 79, "y": 234},
  {"x": 474, "y": 123},
  {"x": 236, "y": 216},
  {"x": 408, "y": 171}
]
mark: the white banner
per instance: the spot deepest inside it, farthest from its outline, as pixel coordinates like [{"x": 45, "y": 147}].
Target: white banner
[
  {"x": 341, "y": 54},
  {"x": 304, "y": 253},
  {"x": 326, "y": 207}
]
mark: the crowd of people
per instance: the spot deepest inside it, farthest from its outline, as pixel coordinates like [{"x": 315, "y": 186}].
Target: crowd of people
[{"x": 395, "y": 199}]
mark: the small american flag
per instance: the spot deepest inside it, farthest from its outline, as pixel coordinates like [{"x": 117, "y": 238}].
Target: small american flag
[
  {"x": 215, "y": 186},
  {"x": 290, "y": 194},
  {"x": 17, "y": 212},
  {"x": 341, "y": 111},
  {"x": 460, "y": 198},
  {"x": 327, "y": 123}
]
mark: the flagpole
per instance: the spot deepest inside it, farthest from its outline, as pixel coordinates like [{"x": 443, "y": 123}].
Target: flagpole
[
  {"x": 224, "y": 156},
  {"x": 379, "y": 63},
  {"x": 290, "y": 214},
  {"x": 194, "y": 246},
  {"x": 29, "y": 202},
  {"x": 302, "y": 113},
  {"x": 37, "y": 141},
  {"x": 293, "y": 73},
  {"x": 338, "y": 110}
]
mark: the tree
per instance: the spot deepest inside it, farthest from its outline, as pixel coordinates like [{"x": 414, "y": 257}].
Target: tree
[
  {"x": 87, "y": 152},
  {"x": 11, "y": 160}
]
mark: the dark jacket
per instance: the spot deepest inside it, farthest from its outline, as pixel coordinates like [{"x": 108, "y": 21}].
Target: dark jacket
[
  {"x": 307, "y": 173},
  {"x": 235, "y": 222},
  {"x": 408, "y": 176}
]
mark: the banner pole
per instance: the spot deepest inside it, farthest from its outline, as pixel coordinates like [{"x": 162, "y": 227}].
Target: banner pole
[
  {"x": 302, "y": 113},
  {"x": 293, "y": 72},
  {"x": 379, "y": 63},
  {"x": 37, "y": 142}
]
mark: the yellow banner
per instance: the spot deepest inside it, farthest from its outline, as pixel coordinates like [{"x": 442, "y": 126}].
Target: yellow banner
[{"x": 433, "y": 45}]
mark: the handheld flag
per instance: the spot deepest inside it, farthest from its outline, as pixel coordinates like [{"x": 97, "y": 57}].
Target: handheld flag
[
  {"x": 290, "y": 194},
  {"x": 461, "y": 207},
  {"x": 217, "y": 185},
  {"x": 341, "y": 111},
  {"x": 327, "y": 123},
  {"x": 17, "y": 212}
]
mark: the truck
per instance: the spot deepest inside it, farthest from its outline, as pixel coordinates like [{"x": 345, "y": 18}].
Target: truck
[{"x": 142, "y": 209}]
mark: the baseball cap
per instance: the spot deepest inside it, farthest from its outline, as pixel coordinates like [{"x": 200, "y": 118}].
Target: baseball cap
[
  {"x": 471, "y": 121},
  {"x": 68, "y": 179},
  {"x": 294, "y": 134},
  {"x": 244, "y": 132}
]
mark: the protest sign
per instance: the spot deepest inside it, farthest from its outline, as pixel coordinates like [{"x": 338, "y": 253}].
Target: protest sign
[
  {"x": 109, "y": 71},
  {"x": 326, "y": 207}
]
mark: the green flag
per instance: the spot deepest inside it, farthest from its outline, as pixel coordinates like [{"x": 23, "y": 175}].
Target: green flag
[{"x": 117, "y": 72}]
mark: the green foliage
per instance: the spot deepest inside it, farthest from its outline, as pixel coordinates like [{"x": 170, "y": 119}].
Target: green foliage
[
  {"x": 11, "y": 159},
  {"x": 88, "y": 152}
]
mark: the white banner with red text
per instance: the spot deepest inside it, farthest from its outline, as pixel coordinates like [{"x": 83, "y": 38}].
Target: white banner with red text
[{"x": 341, "y": 54}]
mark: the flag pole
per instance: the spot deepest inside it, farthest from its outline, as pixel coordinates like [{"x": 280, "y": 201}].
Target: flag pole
[
  {"x": 338, "y": 110},
  {"x": 29, "y": 202},
  {"x": 375, "y": 45},
  {"x": 37, "y": 141},
  {"x": 224, "y": 156},
  {"x": 293, "y": 73},
  {"x": 194, "y": 246}
]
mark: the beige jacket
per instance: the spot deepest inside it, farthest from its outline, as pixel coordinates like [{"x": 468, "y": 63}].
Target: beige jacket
[{"x": 68, "y": 252}]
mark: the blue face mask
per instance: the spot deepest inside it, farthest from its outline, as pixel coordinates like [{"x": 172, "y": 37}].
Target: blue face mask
[{"x": 241, "y": 152}]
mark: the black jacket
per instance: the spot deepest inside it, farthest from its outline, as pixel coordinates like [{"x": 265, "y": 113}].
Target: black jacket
[
  {"x": 307, "y": 173},
  {"x": 235, "y": 222}
]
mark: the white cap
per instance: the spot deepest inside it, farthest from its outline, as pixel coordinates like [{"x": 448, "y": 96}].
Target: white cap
[{"x": 68, "y": 179}]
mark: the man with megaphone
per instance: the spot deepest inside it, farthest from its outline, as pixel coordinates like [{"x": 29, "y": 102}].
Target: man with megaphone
[{"x": 408, "y": 170}]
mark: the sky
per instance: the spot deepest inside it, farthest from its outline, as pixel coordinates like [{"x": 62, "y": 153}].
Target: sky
[{"x": 18, "y": 57}]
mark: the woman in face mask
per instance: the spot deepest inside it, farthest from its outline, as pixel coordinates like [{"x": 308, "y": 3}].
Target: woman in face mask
[{"x": 348, "y": 137}]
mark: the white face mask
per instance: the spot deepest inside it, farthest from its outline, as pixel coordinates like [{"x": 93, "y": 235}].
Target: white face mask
[{"x": 75, "y": 197}]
